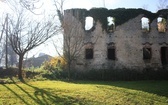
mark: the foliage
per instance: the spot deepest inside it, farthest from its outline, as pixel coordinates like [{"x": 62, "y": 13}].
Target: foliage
[
  {"x": 121, "y": 15},
  {"x": 99, "y": 14},
  {"x": 101, "y": 74},
  {"x": 54, "y": 63},
  {"x": 54, "y": 67},
  {"x": 10, "y": 72},
  {"x": 5, "y": 80},
  {"x": 121, "y": 74},
  {"x": 85, "y": 93},
  {"x": 35, "y": 73}
]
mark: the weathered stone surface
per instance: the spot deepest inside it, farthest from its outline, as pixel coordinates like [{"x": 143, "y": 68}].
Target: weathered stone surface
[{"x": 129, "y": 41}]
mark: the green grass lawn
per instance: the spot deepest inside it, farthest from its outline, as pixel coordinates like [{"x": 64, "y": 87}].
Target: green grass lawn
[{"x": 85, "y": 93}]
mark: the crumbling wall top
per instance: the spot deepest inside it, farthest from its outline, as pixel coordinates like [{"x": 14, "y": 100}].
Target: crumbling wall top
[{"x": 121, "y": 15}]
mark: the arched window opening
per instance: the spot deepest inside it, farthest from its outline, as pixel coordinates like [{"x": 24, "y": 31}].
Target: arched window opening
[
  {"x": 145, "y": 24},
  {"x": 161, "y": 23},
  {"x": 89, "y": 23},
  {"x": 110, "y": 24}
]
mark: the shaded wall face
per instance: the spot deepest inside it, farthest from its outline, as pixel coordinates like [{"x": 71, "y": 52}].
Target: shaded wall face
[{"x": 129, "y": 43}]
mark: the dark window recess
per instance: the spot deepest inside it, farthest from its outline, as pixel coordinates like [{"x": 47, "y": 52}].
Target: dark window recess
[
  {"x": 164, "y": 55},
  {"x": 111, "y": 54},
  {"x": 147, "y": 54},
  {"x": 89, "y": 53}
]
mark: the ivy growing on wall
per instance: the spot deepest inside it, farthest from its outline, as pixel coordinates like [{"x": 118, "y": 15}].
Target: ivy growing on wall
[
  {"x": 99, "y": 14},
  {"x": 163, "y": 13},
  {"x": 121, "y": 15}
]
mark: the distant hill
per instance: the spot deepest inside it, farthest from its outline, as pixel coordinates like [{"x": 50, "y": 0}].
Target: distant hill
[
  {"x": 41, "y": 54},
  {"x": 36, "y": 62}
]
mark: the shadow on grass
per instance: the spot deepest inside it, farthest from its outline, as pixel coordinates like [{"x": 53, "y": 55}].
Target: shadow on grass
[
  {"x": 155, "y": 87},
  {"x": 42, "y": 96},
  {"x": 15, "y": 93}
]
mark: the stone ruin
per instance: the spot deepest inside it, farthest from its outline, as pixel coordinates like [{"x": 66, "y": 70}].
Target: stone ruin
[{"x": 134, "y": 38}]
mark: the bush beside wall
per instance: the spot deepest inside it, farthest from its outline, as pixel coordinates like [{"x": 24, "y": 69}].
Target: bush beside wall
[{"x": 119, "y": 75}]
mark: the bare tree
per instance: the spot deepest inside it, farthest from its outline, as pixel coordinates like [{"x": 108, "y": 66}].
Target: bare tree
[
  {"x": 72, "y": 36},
  {"x": 1, "y": 41},
  {"x": 26, "y": 34},
  {"x": 73, "y": 43},
  {"x": 4, "y": 50},
  {"x": 59, "y": 8},
  {"x": 7, "y": 55}
]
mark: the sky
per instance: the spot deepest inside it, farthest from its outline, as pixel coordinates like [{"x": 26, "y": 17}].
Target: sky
[{"x": 150, "y": 5}]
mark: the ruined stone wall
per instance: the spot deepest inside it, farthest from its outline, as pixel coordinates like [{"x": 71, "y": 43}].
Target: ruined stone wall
[{"x": 128, "y": 40}]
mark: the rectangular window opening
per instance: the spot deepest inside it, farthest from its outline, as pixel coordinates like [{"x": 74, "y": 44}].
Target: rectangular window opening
[
  {"x": 147, "y": 53},
  {"x": 111, "y": 54},
  {"x": 89, "y": 53}
]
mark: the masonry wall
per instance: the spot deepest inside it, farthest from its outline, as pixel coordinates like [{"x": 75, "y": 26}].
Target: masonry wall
[{"x": 128, "y": 40}]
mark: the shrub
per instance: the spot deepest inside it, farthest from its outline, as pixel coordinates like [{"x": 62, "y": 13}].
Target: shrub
[
  {"x": 121, "y": 74},
  {"x": 54, "y": 64},
  {"x": 54, "y": 67}
]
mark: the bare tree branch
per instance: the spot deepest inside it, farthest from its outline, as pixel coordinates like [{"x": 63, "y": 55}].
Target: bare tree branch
[
  {"x": 59, "y": 8},
  {"x": 73, "y": 37},
  {"x": 30, "y": 5}
]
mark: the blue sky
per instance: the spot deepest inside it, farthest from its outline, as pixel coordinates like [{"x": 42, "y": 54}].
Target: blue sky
[{"x": 151, "y": 5}]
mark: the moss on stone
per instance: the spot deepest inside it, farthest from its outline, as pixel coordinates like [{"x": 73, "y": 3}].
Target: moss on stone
[{"x": 121, "y": 15}]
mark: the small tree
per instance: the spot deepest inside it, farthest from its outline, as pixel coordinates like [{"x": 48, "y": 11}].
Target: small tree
[
  {"x": 72, "y": 35},
  {"x": 2, "y": 52},
  {"x": 73, "y": 40}
]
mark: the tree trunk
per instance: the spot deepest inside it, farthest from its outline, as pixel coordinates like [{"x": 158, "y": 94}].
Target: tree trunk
[
  {"x": 69, "y": 69},
  {"x": 20, "y": 66},
  {"x": 6, "y": 46}
]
